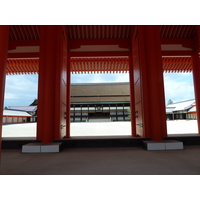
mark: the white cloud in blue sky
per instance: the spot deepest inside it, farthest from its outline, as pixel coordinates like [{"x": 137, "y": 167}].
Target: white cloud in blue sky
[
  {"x": 178, "y": 86},
  {"x": 21, "y": 90},
  {"x": 99, "y": 78}
]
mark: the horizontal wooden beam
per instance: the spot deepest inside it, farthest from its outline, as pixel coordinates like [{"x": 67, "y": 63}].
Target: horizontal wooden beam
[
  {"x": 176, "y": 40},
  {"x": 177, "y": 53},
  {"x": 22, "y": 43},
  {"x": 23, "y": 55},
  {"x": 99, "y": 53},
  {"x": 110, "y": 41},
  {"x": 185, "y": 42},
  {"x": 76, "y": 43}
]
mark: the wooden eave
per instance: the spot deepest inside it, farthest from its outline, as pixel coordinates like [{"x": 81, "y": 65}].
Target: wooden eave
[{"x": 177, "y": 44}]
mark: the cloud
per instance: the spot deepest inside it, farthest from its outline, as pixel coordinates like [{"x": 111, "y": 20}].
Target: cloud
[
  {"x": 123, "y": 77},
  {"x": 20, "y": 90},
  {"x": 178, "y": 86},
  {"x": 99, "y": 78},
  {"x": 8, "y": 95}
]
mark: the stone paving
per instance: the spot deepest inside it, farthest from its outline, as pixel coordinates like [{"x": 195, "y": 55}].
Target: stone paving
[
  {"x": 99, "y": 129},
  {"x": 106, "y": 161}
]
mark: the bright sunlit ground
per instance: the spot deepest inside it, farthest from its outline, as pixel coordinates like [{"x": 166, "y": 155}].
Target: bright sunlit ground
[{"x": 99, "y": 129}]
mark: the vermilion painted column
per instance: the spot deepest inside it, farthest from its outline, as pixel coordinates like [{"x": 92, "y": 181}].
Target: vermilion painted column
[
  {"x": 68, "y": 99},
  {"x": 196, "y": 77},
  {"x": 4, "y": 38},
  {"x": 132, "y": 97},
  {"x": 152, "y": 84},
  {"x": 52, "y": 83}
]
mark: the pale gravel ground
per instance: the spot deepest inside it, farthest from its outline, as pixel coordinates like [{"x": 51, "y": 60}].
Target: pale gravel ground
[{"x": 99, "y": 129}]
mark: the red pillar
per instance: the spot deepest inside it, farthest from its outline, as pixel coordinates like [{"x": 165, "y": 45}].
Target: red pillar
[
  {"x": 52, "y": 84},
  {"x": 132, "y": 97},
  {"x": 196, "y": 80},
  {"x": 68, "y": 99},
  {"x": 152, "y": 84},
  {"x": 196, "y": 77},
  {"x": 4, "y": 38}
]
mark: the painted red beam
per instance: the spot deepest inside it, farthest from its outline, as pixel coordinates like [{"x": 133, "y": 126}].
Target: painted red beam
[
  {"x": 185, "y": 42},
  {"x": 99, "y": 53},
  {"x": 177, "y": 53},
  {"x": 100, "y": 41},
  {"x": 176, "y": 40},
  {"x": 16, "y": 43},
  {"x": 76, "y": 43},
  {"x": 124, "y": 43},
  {"x": 23, "y": 55}
]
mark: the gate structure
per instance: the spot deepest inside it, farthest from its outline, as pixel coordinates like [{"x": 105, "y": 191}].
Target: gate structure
[{"x": 145, "y": 52}]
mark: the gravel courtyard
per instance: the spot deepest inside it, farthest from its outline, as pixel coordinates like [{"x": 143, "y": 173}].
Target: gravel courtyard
[{"x": 99, "y": 129}]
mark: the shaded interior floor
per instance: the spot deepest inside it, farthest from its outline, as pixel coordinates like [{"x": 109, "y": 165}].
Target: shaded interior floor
[{"x": 103, "y": 161}]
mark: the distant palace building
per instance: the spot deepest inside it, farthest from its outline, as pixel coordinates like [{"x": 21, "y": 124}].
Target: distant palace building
[
  {"x": 100, "y": 102},
  {"x": 19, "y": 114},
  {"x": 181, "y": 110}
]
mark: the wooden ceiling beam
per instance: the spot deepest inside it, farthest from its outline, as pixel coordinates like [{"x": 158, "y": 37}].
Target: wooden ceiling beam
[
  {"x": 99, "y": 53},
  {"x": 185, "y": 42},
  {"x": 177, "y": 53},
  {"x": 23, "y": 55},
  {"x": 22, "y": 43},
  {"x": 77, "y": 43}
]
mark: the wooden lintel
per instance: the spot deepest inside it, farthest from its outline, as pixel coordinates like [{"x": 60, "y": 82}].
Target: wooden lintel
[
  {"x": 74, "y": 43},
  {"x": 23, "y": 55},
  {"x": 177, "y": 53},
  {"x": 17, "y": 43},
  {"x": 185, "y": 42},
  {"x": 99, "y": 53}
]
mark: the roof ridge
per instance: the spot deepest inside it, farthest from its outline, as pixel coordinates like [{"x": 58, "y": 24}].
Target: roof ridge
[{"x": 182, "y": 101}]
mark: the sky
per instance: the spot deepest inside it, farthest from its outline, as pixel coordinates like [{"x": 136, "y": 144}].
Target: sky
[
  {"x": 21, "y": 90},
  {"x": 178, "y": 86}
]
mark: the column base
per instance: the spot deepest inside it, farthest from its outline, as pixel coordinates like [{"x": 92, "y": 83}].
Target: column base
[
  {"x": 41, "y": 148},
  {"x": 163, "y": 145}
]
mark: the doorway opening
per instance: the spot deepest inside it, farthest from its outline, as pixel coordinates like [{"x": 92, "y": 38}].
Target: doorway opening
[
  {"x": 180, "y": 103},
  {"x": 20, "y": 106},
  {"x": 100, "y": 104}
]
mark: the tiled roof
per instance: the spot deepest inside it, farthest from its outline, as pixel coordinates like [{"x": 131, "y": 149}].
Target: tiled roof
[
  {"x": 184, "y": 105},
  {"x": 193, "y": 109},
  {"x": 23, "y": 108},
  {"x": 170, "y": 110},
  {"x": 15, "y": 113}
]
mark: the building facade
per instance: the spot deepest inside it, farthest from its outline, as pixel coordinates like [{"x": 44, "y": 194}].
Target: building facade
[
  {"x": 28, "y": 113},
  {"x": 16, "y": 116},
  {"x": 182, "y": 110},
  {"x": 100, "y": 102}
]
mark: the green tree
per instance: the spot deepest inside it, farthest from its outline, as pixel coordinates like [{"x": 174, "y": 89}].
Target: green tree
[
  {"x": 129, "y": 112},
  {"x": 169, "y": 102}
]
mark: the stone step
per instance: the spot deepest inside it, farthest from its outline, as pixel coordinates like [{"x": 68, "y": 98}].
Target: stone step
[
  {"x": 163, "y": 145},
  {"x": 42, "y": 147},
  {"x": 100, "y": 120}
]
